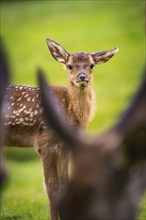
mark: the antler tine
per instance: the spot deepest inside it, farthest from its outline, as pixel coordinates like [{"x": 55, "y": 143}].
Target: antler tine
[
  {"x": 56, "y": 119},
  {"x": 132, "y": 126},
  {"x": 134, "y": 116},
  {"x": 4, "y": 73}
]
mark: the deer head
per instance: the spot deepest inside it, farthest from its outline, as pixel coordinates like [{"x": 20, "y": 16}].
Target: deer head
[
  {"x": 80, "y": 64},
  {"x": 109, "y": 170}
]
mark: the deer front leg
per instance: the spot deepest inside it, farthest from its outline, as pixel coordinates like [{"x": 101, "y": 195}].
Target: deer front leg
[{"x": 49, "y": 159}]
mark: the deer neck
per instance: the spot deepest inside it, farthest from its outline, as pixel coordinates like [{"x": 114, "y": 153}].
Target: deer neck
[{"x": 81, "y": 104}]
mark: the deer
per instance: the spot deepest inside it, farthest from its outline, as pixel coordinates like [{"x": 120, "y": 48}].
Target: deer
[
  {"x": 108, "y": 177},
  {"x": 27, "y": 125}
]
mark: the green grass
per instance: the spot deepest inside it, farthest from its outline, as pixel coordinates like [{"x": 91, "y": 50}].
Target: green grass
[
  {"x": 79, "y": 26},
  {"x": 24, "y": 197}
]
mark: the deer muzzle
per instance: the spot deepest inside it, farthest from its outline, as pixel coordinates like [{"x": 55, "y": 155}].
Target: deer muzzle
[{"x": 82, "y": 79}]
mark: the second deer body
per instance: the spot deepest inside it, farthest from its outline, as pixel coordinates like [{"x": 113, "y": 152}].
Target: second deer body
[{"x": 26, "y": 123}]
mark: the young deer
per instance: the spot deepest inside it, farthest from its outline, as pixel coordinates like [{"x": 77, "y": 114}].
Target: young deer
[
  {"x": 27, "y": 127},
  {"x": 108, "y": 178}
]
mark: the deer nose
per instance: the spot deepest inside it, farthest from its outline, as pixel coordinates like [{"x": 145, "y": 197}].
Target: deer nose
[{"x": 82, "y": 77}]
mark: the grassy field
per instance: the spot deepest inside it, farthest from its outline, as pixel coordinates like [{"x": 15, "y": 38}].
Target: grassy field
[{"x": 79, "y": 26}]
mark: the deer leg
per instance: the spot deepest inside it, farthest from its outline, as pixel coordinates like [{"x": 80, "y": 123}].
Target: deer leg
[{"x": 49, "y": 159}]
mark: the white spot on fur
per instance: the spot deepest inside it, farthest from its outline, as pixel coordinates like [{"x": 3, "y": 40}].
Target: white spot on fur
[
  {"x": 35, "y": 112},
  {"x": 30, "y": 110},
  {"x": 21, "y": 119},
  {"x": 19, "y": 99},
  {"x": 18, "y": 122},
  {"x": 32, "y": 115},
  {"x": 13, "y": 116}
]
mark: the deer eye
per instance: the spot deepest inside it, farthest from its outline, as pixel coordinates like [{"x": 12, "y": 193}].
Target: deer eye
[
  {"x": 91, "y": 66},
  {"x": 69, "y": 67}
]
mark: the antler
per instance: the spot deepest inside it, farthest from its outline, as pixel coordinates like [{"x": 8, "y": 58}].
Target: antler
[
  {"x": 4, "y": 73},
  {"x": 4, "y": 81},
  {"x": 135, "y": 114},
  {"x": 132, "y": 125}
]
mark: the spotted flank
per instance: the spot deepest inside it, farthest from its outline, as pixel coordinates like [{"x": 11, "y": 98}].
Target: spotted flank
[{"x": 24, "y": 106}]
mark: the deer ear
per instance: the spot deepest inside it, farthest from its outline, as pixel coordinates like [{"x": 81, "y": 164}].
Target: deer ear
[
  {"x": 103, "y": 56},
  {"x": 57, "y": 51}
]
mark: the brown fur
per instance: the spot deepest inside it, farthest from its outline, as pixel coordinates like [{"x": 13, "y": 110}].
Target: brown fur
[
  {"x": 81, "y": 110},
  {"x": 108, "y": 179}
]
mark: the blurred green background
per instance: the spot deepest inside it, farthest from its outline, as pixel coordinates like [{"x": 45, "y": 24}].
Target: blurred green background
[{"x": 88, "y": 26}]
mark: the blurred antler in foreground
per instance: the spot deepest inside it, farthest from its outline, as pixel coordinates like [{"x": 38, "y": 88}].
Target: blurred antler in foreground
[
  {"x": 108, "y": 177},
  {"x": 4, "y": 81}
]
